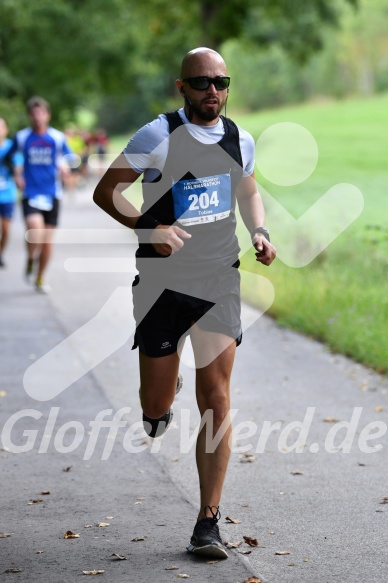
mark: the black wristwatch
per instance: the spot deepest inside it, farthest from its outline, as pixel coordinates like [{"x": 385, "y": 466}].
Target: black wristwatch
[{"x": 262, "y": 231}]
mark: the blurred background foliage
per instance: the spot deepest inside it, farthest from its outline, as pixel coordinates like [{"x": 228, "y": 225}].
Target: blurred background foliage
[{"x": 120, "y": 59}]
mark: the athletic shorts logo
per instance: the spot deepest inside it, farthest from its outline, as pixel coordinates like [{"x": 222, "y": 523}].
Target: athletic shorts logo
[{"x": 166, "y": 344}]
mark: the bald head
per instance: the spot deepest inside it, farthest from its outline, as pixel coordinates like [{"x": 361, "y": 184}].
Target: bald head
[{"x": 202, "y": 61}]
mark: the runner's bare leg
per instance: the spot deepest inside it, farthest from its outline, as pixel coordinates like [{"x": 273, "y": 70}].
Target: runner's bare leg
[
  {"x": 158, "y": 378},
  {"x": 213, "y": 392}
]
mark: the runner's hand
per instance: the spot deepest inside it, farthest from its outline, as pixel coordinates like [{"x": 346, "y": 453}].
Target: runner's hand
[
  {"x": 265, "y": 251},
  {"x": 167, "y": 239}
]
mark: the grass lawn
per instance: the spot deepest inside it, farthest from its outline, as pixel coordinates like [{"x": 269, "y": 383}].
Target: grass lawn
[{"x": 341, "y": 297}]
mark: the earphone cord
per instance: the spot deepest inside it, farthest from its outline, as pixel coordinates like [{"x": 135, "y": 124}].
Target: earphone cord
[{"x": 190, "y": 116}]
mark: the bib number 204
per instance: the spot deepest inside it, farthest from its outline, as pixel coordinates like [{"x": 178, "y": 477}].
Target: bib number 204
[{"x": 203, "y": 201}]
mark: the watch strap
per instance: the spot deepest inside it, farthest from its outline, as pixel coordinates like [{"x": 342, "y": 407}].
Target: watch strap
[{"x": 262, "y": 231}]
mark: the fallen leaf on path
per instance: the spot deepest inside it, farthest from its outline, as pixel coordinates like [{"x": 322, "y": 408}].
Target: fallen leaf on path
[
  {"x": 233, "y": 520},
  {"x": 252, "y": 580},
  {"x": 37, "y": 501},
  {"x": 102, "y": 524},
  {"x": 119, "y": 557},
  {"x": 68, "y": 469},
  {"x": 296, "y": 473},
  {"x": 6, "y": 534},
  {"x": 183, "y": 576},
  {"x": 95, "y": 572},
  {"x": 282, "y": 553},
  {"x": 244, "y": 505},
  {"x": 247, "y": 458},
  {"x": 211, "y": 562},
  {"x": 378, "y": 409},
  {"x": 45, "y": 493},
  {"x": 171, "y": 568},
  {"x": 291, "y": 564},
  {"x": 138, "y": 502},
  {"x": 330, "y": 420},
  {"x": 13, "y": 570},
  {"x": 39, "y": 552},
  {"x": 109, "y": 517},
  {"x": 69, "y": 534},
  {"x": 245, "y": 552},
  {"x": 138, "y": 539},
  {"x": 271, "y": 532},
  {"x": 252, "y": 542},
  {"x": 234, "y": 545},
  {"x": 88, "y": 526},
  {"x": 384, "y": 500}
]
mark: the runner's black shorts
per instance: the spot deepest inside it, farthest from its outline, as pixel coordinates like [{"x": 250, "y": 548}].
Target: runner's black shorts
[
  {"x": 50, "y": 217},
  {"x": 213, "y": 303}
]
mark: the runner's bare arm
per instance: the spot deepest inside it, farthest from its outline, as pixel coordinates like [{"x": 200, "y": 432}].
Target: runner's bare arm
[
  {"x": 253, "y": 214},
  {"x": 18, "y": 173},
  {"x": 166, "y": 239},
  {"x": 108, "y": 192}
]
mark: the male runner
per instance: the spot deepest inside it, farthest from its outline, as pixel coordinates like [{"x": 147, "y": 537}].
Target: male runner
[
  {"x": 195, "y": 165},
  {"x": 39, "y": 179}
]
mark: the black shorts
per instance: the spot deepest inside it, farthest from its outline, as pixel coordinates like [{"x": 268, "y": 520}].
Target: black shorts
[
  {"x": 215, "y": 301},
  {"x": 50, "y": 217}
]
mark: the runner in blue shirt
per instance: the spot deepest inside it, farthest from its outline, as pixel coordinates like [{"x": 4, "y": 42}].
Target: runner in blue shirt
[
  {"x": 40, "y": 181},
  {"x": 8, "y": 190}
]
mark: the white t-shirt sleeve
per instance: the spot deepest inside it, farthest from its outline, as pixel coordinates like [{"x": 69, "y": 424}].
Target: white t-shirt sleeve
[
  {"x": 247, "y": 146},
  {"x": 147, "y": 149}
]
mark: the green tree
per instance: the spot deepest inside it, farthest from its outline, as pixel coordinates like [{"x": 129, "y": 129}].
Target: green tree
[
  {"x": 127, "y": 53},
  {"x": 64, "y": 50}
]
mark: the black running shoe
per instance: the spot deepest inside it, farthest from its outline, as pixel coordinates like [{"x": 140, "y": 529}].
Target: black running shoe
[
  {"x": 206, "y": 539},
  {"x": 156, "y": 427},
  {"x": 179, "y": 383}
]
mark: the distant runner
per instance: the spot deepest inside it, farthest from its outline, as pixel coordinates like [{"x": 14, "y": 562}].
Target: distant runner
[{"x": 43, "y": 148}]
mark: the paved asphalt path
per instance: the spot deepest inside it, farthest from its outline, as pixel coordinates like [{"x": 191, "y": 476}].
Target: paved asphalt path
[{"x": 313, "y": 496}]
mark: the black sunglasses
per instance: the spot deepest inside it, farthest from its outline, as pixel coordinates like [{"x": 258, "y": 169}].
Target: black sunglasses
[{"x": 201, "y": 83}]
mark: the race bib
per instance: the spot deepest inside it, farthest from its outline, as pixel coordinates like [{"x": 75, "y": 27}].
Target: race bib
[
  {"x": 41, "y": 202},
  {"x": 202, "y": 200}
]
